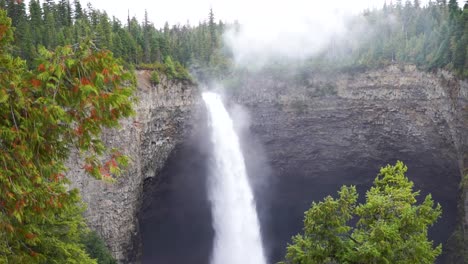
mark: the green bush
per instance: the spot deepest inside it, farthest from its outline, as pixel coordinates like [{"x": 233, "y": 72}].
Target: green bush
[
  {"x": 154, "y": 79},
  {"x": 96, "y": 248},
  {"x": 170, "y": 67},
  {"x": 181, "y": 72},
  {"x": 173, "y": 70}
]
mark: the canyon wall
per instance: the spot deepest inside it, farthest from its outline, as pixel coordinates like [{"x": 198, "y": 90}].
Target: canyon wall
[
  {"x": 322, "y": 130},
  {"x": 315, "y": 132},
  {"x": 163, "y": 115}
]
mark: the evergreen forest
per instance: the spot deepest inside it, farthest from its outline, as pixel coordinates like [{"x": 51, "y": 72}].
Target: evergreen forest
[{"x": 433, "y": 36}]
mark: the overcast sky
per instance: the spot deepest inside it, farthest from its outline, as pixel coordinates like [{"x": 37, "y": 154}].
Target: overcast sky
[
  {"x": 179, "y": 11},
  {"x": 245, "y": 11},
  {"x": 289, "y": 28}
]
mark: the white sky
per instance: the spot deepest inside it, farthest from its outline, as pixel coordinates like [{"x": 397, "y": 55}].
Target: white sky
[
  {"x": 288, "y": 28},
  {"x": 245, "y": 11},
  {"x": 179, "y": 11}
]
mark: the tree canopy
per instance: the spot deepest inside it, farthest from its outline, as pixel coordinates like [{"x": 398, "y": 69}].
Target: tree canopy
[
  {"x": 432, "y": 36},
  {"x": 391, "y": 225}
]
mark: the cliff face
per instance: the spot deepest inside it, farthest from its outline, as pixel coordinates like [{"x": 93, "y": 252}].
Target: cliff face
[
  {"x": 320, "y": 131},
  {"x": 163, "y": 114},
  {"x": 309, "y": 134}
]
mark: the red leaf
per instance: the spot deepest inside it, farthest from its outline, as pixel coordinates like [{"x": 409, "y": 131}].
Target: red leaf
[
  {"x": 85, "y": 81},
  {"x": 36, "y": 82},
  {"x": 88, "y": 168},
  {"x": 30, "y": 236}
]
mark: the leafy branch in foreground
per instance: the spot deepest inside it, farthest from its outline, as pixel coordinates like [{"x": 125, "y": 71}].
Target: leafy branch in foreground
[
  {"x": 62, "y": 104},
  {"x": 391, "y": 227}
]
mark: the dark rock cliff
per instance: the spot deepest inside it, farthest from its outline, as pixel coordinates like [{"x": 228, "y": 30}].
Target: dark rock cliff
[
  {"x": 309, "y": 134},
  {"x": 320, "y": 131},
  {"x": 163, "y": 116}
]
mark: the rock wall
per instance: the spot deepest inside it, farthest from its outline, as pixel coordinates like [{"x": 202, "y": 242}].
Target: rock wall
[
  {"x": 318, "y": 131},
  {"x": 422, "y": 100},
  {"x": 322, "y": 130},
  {"x": 309, "y": 134},
  {"x": 163, "y": 116}
]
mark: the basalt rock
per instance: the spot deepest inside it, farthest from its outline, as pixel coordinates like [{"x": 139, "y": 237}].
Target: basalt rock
[
  {"x": 309, "y": 134},
  {"x": 322, "y": 130},
  {"x": 163, "y": 117}
]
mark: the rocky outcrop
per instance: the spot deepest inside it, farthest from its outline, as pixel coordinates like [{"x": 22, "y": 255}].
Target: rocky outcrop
[{"x": 163, "y": 116}]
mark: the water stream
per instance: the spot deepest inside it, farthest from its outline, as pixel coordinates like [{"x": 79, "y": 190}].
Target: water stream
[{"x": 237, "y": 230}]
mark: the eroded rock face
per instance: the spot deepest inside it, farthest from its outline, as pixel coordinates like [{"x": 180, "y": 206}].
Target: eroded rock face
[
  {"x": 320, "y": 131},
  {"x": 309, "y": 134},
  {"x": 163, "y": 116}
]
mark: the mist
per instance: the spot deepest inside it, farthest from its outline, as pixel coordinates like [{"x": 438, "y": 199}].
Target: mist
[
  {"x": 296, "y": 31},
  {"x": 273, "y": 37}
]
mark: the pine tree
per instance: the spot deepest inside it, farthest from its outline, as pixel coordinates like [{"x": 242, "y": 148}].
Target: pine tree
[
  {"x": 213, "y": 36},
  {"x": 16, "y": 11},
  {"x": 35, "y": 18},
  {"x": 146, "y": 38},
  {"x": 78, "y": 11},
  {"x": 50, "y": 39},
  {"x": 454, "y": 10}
]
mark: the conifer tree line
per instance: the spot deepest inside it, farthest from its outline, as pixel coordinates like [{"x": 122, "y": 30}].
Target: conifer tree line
[
  {"x": 51, "y": 23},
  {"x": 431, "y": 36}
]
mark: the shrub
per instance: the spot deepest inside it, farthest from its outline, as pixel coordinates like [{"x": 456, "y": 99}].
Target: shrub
[
  {"x": 96, "y": 248},
  {"x": 154, "y": 79}
]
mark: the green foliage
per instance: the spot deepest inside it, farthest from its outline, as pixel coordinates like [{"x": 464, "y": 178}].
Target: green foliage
[
  {"x": 61, "y": 104},
  {"x": 391, "y": 226},
  {"x": 170, "y": 68},
  {"x": 457, "y": 243},
  {"x": 59, "y": 23},
  {"x": 154, "y": 78},
  {"x": 173, "y": 70},
  {"x": 431, "y": 37},
  {"x": 181, "y": 72},
  {"x": 96, "y": 248}
]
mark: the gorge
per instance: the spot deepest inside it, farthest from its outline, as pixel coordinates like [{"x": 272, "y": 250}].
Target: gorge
[{"x": 308, "y": 134}]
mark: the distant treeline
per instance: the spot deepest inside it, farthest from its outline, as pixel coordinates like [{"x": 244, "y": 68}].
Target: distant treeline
[
  {"x": 432, "y": 36},
  {"x": 52, "y": 24}
]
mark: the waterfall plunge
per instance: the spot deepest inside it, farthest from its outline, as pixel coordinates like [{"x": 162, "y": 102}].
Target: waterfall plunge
[{"x": 237, "y": 229}]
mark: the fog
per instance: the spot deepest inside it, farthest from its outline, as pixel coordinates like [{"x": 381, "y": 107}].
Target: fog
[
  {"x": 295, "y": 33},
  {"x": 296, "y": 30}
]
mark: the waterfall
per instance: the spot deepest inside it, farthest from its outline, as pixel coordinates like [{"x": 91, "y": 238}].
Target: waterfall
[{"x": 237, "y": 230}]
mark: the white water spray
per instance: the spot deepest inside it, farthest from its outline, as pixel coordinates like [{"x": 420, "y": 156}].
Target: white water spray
[{"x": 237, "y": 230}]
